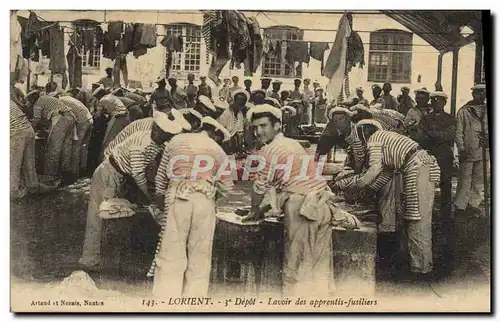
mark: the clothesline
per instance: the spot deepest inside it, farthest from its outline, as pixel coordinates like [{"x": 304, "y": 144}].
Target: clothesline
[{"x": 273, "y": 28}]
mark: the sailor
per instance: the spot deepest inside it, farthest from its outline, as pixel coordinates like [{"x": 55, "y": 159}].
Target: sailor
[
  {"x": 308, "y": 257},
  {"x": 129, "y": 158},
  {"x": 184, "y": 253}
]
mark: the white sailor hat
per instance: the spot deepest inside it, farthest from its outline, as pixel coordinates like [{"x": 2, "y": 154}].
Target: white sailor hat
[
  {"x": 376, "y": 86},
  {"x": 161, "y": 119},
  {"x": 33, "y": 94},
  {"x": 179, "y": 118},
  {"x": 296, "y": 101},
  {"x": 337, "y": 109},
  {"x": 292, "y": 109},
  {"x": 439, "y": 94},
  {"x": 479, "y": 87},
  {"x": 241, "y": 91},
  {"x": 361, "y": 107},
  {"x": 265, "y": 108},
  {"x": 422, "y": 90},
  {"x": 224, "y": 105},
  {"x": 160, "y": 78},
  {"x": 405, "y": 88},
  {"x": 319, "y": 88},
  {"x": 265, "y": 79},
  {"x": 205, "y": 101},
  {"x": 195, "y": 113},
  {"x": 360, "y": 89},
  {"x": 316, "y": 81},
  {"x": 259, "y": 91},
  {"x": 277, "y": 82},
  {"x": 273, "y": 101},
  {"x": 55, "y": 93},
  {"x": 369, "y": 122},
  {"x": 210, "y": 120}
]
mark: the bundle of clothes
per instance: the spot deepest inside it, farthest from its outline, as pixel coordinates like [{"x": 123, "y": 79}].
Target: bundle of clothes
[{"x": 229, "y": 35}]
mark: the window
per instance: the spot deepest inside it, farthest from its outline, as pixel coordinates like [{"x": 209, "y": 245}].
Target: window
[
  {"x": 91, "y": 59},
  {"x": 189, "y": 60},
  {"x": 275, "y": 66},
  {"x": 390, "y": 56}
]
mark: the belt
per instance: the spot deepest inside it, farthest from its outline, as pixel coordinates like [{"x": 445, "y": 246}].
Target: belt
[
  {"x": 411, "y": 153},
  {"x": 115, "y": 165}
]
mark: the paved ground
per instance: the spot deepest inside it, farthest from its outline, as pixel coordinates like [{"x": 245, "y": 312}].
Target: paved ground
[{"x": 47, "y": 234}]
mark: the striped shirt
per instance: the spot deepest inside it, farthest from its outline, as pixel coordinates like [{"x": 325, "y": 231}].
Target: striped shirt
[
  {"x": 135, "y": 154},
  {"x": 179, "y": 160},
  {"x": 18, "y": 120},
  {"x": 390, "y": 149},
  {"x": 388, "y": 123},
  {"x": 81, "y": 112},
  {"x": 285, "y": 151},
  {"x": 46, "y": 107},
  {"x": 141, "y": 125}
]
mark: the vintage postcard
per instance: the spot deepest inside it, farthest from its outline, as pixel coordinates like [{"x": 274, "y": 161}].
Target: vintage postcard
[{"x": 250, "y": 161}]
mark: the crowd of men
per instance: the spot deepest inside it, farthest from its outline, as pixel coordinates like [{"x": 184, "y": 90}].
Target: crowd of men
[{"x": 124, "y": 138}]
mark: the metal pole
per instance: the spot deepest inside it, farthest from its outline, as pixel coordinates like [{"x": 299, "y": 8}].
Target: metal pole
[
  {"x": 438, "y": 85},
  {"x": 485, "y": 169},
  {"x": 479, "y": 61},
  {"x": 454, "y": 80}
]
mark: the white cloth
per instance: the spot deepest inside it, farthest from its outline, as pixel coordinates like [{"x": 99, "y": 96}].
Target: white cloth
[
  {"x": 116, "y": 208},
  {"x": 15, "y": 41}
]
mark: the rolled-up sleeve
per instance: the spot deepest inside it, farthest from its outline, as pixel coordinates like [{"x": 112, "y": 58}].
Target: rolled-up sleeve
[
  {"x": 374, "y": 166},
  {"x": 262, "y": 181},
  {"x": 138, "y": 167}
]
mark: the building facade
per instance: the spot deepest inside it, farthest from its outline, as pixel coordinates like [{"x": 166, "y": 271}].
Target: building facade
[{"x": 392, "y": 53}]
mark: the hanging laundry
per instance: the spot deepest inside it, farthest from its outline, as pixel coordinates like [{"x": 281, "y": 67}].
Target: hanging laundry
[
  {"x": 99, "y": 37},
  {"x": 127, "y": 39},
  {"x": 44, "y": 42},
  {"x": 88, "y": 39},
  {"x": 209, "y": 16},
  {"x": 75, "y": 39},
  {"x": 336, "y": 63},
  {"x": 297, "y": 51},
  {"x": 317, "y": 50},
  {"x": 120, "y": 65},
  {"x": 148, "y": 36},
  {"x": 115, "y": 30},
  {"x": 138, "y": 52},
  {"x": 173, "y": 43},
  {"x": 355, "y": 51},
  {"x": 109, "y": 49},
  {"x": 57, "y": 61},
  {"x": 215, "y": 69},
  {"x": 74, "y": 67},
  {"x": 16, "y": 47},
  {"x": 258, "y": 44},
  {"x": 34, "y": 24}
]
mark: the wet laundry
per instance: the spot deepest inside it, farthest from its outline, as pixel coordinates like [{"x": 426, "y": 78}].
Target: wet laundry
[
  {"x": 317, "y": 51},
  {"x": 173, "y": 43},
  {"x": 355, "y": 51},
  {"x": 57, "y": 62},
  {"x": 74, "y": 67},
  {"x": 115, "y": 29}
]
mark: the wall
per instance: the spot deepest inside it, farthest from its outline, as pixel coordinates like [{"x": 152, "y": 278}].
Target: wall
[{"x": 148, "y": 67}]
